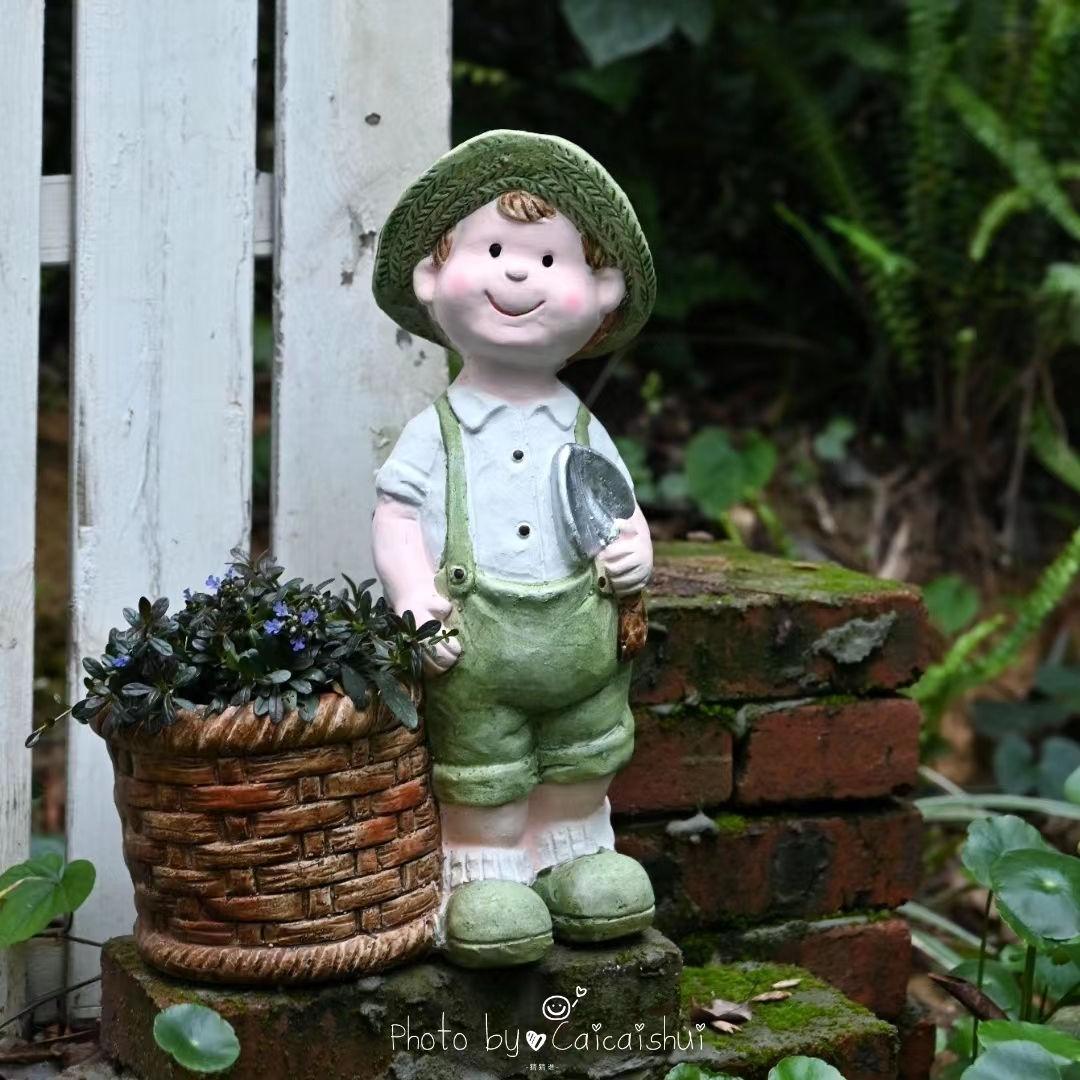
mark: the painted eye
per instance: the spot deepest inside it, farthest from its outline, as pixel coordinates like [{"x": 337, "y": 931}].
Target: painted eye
[
  {"x": 548, "y": 260},
  {"x": 495, "y": 250}
]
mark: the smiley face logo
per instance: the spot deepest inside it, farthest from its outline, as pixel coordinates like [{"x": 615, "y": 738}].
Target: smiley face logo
[{"x": 556, "y": 1007}]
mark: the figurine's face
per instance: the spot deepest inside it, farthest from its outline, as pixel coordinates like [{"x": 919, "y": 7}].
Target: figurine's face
[{"x": 518, "y": 292}]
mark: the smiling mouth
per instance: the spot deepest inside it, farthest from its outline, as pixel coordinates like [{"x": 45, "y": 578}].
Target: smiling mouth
[{"x": 512, "y": 314}]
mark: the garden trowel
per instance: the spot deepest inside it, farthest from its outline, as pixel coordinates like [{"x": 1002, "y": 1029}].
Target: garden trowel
[{"x": 591, "y": 494}]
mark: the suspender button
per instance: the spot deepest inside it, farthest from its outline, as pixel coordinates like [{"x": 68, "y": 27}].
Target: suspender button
[{"x": 458, "y": 574}]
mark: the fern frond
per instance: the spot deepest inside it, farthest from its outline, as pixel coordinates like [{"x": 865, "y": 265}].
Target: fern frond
[
  {"x": 1021, "y": 157},
  {"x": 1000, "y": 210},
  {"x": 941, "y": 683},
  {"x": 1059, "y": 300},
  {"x": 889, "y": 262}
]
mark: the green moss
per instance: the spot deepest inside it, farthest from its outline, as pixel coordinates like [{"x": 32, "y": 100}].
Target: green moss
[
  {"x": 697, "y": 949},
  {"x": 749, "y": 571},
  {"x": 734, "y": 824},
  {"x": 816, "y": 1020}
]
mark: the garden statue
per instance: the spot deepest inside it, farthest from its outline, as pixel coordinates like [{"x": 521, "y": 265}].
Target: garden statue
[{"x": 506, "y": 513}]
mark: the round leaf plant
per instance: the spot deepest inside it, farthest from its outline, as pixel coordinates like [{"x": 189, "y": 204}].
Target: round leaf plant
[{"x": 197, "y": 1038}]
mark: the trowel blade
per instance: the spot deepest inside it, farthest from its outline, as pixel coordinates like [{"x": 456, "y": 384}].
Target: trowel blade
[{"x": 592, "y": 494}]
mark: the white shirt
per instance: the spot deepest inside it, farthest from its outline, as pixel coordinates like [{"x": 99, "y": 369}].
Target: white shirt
[{"x": 517, "y": 531}]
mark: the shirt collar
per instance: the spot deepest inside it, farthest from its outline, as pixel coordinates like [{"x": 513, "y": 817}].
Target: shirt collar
[{"x": 474, "y": 408}]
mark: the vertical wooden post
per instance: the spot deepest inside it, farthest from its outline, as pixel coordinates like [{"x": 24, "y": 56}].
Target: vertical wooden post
[
  {"x": 21, "y": 30},
  {"x": 363, "y": 104},
  {"x": 164, "y": 176}
]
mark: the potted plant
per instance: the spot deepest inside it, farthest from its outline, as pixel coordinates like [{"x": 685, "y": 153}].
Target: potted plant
[{"x": 272, "y": 778}]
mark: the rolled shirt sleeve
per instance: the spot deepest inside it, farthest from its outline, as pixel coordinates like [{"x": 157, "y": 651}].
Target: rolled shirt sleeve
[{"x": 415, "y": 463}]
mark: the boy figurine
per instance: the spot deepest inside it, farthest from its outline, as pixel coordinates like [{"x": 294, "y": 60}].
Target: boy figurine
[{"x": 521, "y": 253}]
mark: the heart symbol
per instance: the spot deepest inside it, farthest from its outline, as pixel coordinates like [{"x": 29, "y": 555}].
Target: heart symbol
[
  {"x": 638, "y": 1027},
  {"x": 597, "y": 1027},
  {"x": 535, "y": 1039},
  {"x": 581, "y": 991},
  {"x": 700, "y": 1027}
]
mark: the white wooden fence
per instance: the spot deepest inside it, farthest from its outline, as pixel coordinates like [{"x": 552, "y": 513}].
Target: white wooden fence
[{"x": 160, "y": 223}]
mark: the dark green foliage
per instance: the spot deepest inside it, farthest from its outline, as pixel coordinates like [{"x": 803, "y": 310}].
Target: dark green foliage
[{"x": 249, "y": 638}]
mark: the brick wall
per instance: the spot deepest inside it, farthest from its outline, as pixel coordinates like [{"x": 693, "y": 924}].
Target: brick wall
[{"x": 766, "y": 793}]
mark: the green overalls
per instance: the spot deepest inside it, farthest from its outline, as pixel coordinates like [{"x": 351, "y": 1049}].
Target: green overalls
[{"x": 538, "y": 694}]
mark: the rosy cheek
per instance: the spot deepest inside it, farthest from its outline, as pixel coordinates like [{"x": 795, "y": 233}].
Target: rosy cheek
[
  {"x": 456, "y": 284},
  {"x": 573, "y": 302}
]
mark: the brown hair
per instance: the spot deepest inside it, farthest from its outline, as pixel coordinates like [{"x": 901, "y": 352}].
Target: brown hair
[{"x": 527, "y": 208}]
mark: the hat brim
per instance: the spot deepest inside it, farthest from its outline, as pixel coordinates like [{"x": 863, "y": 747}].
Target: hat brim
[{"x": 480, "y": 170}]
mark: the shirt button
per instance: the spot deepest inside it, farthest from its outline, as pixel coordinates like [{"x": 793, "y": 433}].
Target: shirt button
[
  {"x": 519, "y": 455},
  {"x": 523, "y": 530}
]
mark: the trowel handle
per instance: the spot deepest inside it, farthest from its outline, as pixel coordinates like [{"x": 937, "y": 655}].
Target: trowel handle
[{"x": 633, "y": 626}]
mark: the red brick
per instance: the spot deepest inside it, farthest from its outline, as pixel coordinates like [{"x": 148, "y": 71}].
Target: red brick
[
  {"x": 730, "y": 624},
  {"x": 918, "y": 1044},
  {"x": 763, "y": 868},
  {"x": 852, "y": 750},
  {"x": 680, "y": 762},
  {"x": 867, "y": 958}
]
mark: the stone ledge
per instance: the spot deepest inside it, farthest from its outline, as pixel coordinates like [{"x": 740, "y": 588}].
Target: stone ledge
[
  {"x": 729, "y": 624},
  {"x": 389, "y": 1026}
]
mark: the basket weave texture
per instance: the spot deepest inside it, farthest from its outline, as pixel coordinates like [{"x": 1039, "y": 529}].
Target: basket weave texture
[{"x": 279, "y": 853}]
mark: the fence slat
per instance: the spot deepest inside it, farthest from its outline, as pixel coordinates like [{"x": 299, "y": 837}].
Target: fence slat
[
  {"x": 363, "y": 102},
  {"x": 164, "y": 177},
  {"x": 21, "y": 30}
]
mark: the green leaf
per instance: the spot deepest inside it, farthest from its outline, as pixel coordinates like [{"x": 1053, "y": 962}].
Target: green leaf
[
  {"x": 952, "y": 601},
  {"x": 991, "y": 837},
  {"x": 1013, "y": 1060},
  {"x": 759, "y": 458},
  {"x": 1054, "y": 452},
  {"x": 355, "y": 685},
  {"x": 609, "y": 30},
  {"x": 35, "y": 892},
  {"x": 891, "y": 263},
  {"x": 1059, "y": 759},
  {"x": 998, "y": 984},
  {"x": 1064, "y": 1048},
  {"x": 830, "y": 444},
  {"x": 1059, "y": 296},
  {"x": 714, "y": 471},
  {"x": 817, "y": 242},
  {"x": 397, "y": 700},
  {"x": 1038, "y": 895},
  {"x": 1014, "y": 765},
  {"x": 1072, "y": 787},
  {"x": 996, "y": 719},
  {"x": 282, "y": 675},
  {"x": 197, "y": 1038},
  {"x": 804, "y": 1068}
]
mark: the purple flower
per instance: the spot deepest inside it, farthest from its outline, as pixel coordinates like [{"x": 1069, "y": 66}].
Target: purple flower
[
  {"x": 187, "y": 594},
  {"x": 213, "y": 583},
  {"x": 298, "y": 643},
  {"x": 231, "y": 573},
  {"x": 281, "y": 609},
  {"x": 308, "y": 616},
  {"x": 120, "y": 661},
  {"x": 273, "y": 626}
]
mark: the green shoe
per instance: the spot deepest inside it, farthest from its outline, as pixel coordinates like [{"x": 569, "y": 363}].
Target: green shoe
[
  {"x": 496, "y": 924},
  {"x": 597, "y": 897}
]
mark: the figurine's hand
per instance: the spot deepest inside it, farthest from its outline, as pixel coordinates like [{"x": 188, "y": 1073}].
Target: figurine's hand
[
  {"x": 443, "y": 656},
  {"x": 628, "y": 561}
]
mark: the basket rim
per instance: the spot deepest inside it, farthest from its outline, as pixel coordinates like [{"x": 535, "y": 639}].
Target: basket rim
[{"x": 238, "y": 731}]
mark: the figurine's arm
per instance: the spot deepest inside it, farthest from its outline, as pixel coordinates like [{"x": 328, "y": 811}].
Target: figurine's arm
[{"x": 404, "y": 566}]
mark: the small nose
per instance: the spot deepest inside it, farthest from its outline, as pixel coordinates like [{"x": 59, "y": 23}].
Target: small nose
[{"x": 517, "y": 274}]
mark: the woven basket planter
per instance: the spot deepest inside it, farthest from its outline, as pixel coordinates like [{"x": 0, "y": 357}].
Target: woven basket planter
[{"x": 286, "y": 853}]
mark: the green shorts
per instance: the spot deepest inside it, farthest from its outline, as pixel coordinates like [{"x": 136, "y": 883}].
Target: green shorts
[{"x": 537, "y": 696}]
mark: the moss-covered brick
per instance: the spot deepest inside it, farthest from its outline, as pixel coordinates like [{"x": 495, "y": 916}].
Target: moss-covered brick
[
  {"x": 819, "y": 752},
  {"x": 680, "y": 762},
  {"x": 816, "y": 1020},
  {"x": 865, "y": 956},
  {"x": 729, "y": 624},
  {"x": 759, "y": 869}
]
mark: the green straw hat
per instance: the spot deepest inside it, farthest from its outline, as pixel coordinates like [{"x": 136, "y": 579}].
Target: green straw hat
[{"x": 479, "y": 171}]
